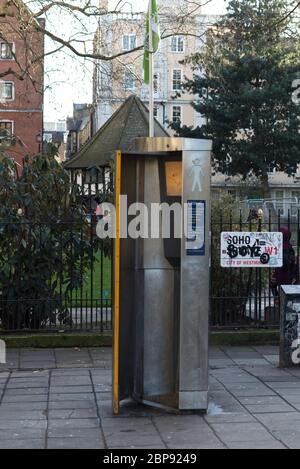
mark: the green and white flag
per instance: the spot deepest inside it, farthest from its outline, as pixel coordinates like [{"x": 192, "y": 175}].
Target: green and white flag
[{"x": 155, "y": 32}]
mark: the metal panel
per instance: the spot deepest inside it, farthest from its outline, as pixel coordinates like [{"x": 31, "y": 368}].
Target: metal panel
[
  {"x": 156, "y": 301},
  {"x": 195, "y": 284},
  {"x": 162, "y": 144}
]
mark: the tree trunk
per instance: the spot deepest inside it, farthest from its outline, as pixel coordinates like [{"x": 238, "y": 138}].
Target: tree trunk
[
  {"x": 267, "y": 195},
  {"x": 265, "y": 186}
]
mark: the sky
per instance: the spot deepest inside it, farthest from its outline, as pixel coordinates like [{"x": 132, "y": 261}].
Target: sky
[{"x": 69, "y": 79}]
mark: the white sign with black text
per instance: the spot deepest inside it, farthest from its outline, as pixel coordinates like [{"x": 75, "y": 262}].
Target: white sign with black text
[{"x": 251, "y": 249}]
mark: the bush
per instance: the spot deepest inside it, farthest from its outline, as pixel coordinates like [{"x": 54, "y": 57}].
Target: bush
[{"x": 45, "y": 243}]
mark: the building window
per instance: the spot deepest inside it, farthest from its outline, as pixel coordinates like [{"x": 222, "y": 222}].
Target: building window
[
  {"x": 296, "y": 194},
  {"x": 177, "y": 44},
  {"x": 176, "y": 114},
  {"x": 156, "y": 112},
  {"x": 128, "y": 80},
  {"x": 6, "y": 90},
  {"x": 6, "y": 129},
  {"x": 156, "y": 82},
  {"x": 280, "y": 202},
  {"x": 177, "y": 79},
  {"x": 129, "y": 41},
  {"x": 47, "y": 137},
  {"x": 6, "y": 50}
]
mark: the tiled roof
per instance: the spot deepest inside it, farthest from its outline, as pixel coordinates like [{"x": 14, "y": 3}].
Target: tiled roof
[{"x": 130, "y": 121}]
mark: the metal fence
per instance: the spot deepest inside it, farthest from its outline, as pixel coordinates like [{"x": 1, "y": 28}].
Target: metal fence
[
  {"x": 54, "y": 277},
  {"x": 58, "y": 277},
  {"x": 248, "y": 297}
]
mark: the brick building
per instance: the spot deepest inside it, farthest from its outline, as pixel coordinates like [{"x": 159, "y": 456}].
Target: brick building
[{"x": 21, "y": 79}]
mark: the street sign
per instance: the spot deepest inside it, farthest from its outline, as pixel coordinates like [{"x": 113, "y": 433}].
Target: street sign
[{"x": 251, "y": 249}]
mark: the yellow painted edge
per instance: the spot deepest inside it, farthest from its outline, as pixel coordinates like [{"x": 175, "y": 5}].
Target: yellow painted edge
[{"x": 118, "y": 170}]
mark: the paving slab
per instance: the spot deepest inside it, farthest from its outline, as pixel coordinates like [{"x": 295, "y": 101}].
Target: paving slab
[
  {"x": 18, "y": 443},
  {"x": 62, "y": 399},
  {"x": 75, "y": 443}
]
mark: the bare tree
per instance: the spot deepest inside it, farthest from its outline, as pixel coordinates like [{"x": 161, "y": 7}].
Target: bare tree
[{"x": 69, "y": 26}]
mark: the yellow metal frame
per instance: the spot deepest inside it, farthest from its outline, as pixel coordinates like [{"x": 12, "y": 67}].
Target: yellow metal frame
[{"x": 118, "y": 170}]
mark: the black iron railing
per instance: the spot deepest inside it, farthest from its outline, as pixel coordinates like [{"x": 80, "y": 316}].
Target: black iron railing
[
  {"x": 58, "y": 277},
  {"x": 248, "y": 297}
]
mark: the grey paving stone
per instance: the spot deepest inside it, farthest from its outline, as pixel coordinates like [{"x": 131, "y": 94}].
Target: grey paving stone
[
  {"x": 55, "y": 424},
  {"x": 103, "y": 365},
  {"x": 72, "y": 413},
  {"x": 235, "y": 395},
  {"x": 13, "y": 414},
  {"x": 253, "y": 392},
  {"x": 190, "y": 437},
  {"x": 285, "y": 384},
  {"x": 22, "y": 434},
  {"x": 240, "y": 417},
  {"x": 84, "y": 433},
  {"x": 251, "y": 361},
  {"x": 70, "y": 389},
  {"x": 123, "y": 432},
  {"x": 220, "y": 362},
  {"x": 173, "y": 424},
  {"x": 22, "y": 406},
  {"x": 256, "y": 445},
  {"x": 72, "y": 404},
  {"x": 75, "y": 443},
  {"x": 36, "y": 365},
  {"x": 69, "y": 373},
  {"x": 30, "y": 374},
  {"x": 20, "y": 383},
  {"x": 105, "y": 408},
  {"x": 143, "y": 446},
  {"x": 290, "y": 438},
  {"x": 71, "y": 397},
  {"x": 266, "y": 349},
  {"x": 26, "y": 391},
  {"x": 73, "y": 365},
  {"x": 236, "y": 432},
  {"x": 280, "y": 422},
  {"x": 22, "y": 424},
  {"x": 24, "y": 398},
  {"x": 71, "y": 381},
  {"x": 261, "y": 400},
  {"x": 214, "y": 444},
  {"x": 102, "y": 388},
  {"x": 266, "y": 409},
  {"x": 294, "y": 400},
  {"x": 37, "y": 355},
  {"x": 216, "y": 352},
  {"x": 104, "y": 396},
  {"x": 23, "y": 444}
]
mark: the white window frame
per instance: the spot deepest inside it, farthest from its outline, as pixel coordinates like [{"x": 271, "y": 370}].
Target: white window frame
[
  {"x": 176, "y": 39},
  {"x": 180, "y": 107},
  {"x": 48, "y": 137},
  {"x": 13, "y": 51},
  {"x": 127, "y": 70},
  {"x": 129, "y": 36},
  {"x": 13, "y": 91},
  {"x": 156, "y": 91},
  {"x": 173, "y": 79},
  {"x": 10, "y": 122}
]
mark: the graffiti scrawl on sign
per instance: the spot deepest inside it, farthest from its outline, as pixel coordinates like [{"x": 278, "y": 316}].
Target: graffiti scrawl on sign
[{"x": 251, "y": 249}]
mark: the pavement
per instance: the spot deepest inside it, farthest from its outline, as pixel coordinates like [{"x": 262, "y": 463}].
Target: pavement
[{"x": 62, "y": 399}]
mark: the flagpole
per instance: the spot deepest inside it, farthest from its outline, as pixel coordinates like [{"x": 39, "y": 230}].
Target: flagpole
[{"x": 151, "y": 88}]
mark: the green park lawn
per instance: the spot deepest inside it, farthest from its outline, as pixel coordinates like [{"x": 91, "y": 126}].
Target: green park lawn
[{"x": 101, "y": 288}]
